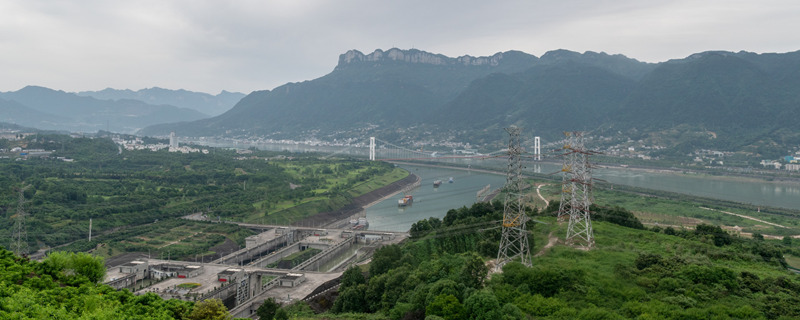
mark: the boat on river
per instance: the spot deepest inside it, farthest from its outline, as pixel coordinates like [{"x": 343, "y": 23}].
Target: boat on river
[
  {"x": 437, "y": 183},
  {"x": 405, "y": 201}
]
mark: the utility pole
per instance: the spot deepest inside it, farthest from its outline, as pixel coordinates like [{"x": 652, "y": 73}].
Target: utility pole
[
  {"x": 20, "y": 238},
  {"x": 514, "y": 240},
  {"x": 576, "y": 195}
]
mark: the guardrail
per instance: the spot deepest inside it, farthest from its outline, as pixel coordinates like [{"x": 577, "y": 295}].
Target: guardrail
[
  {"x": 217, "y": 291},
  {"x": 325, "y": 252},
  {"x": 238, "y": 311}
]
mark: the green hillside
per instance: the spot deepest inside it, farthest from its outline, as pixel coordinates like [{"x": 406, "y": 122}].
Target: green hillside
[
  {"x": 631, "y": 273},
  {"x": 65, "y": 286},
  {"x": 129, "y": 193}
]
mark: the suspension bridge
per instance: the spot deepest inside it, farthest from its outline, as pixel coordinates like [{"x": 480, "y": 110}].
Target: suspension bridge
[{"x": 379, "y": 150}]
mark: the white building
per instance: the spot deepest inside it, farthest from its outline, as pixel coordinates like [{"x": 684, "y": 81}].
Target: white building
[{"x": 173, "y": 140}]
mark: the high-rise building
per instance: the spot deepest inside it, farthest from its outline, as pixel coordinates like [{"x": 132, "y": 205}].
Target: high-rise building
[{"x": 173, "y": 140}]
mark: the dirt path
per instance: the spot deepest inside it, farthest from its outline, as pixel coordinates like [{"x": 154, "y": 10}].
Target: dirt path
[
  {"x": 179, "y": 240},
  {"x": 746, "y": 217},
  {"x": 551, "y": 241},
  {"x": 539, "y": 193}
]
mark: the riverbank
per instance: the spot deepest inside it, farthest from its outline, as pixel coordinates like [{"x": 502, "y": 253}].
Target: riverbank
[
  {"x": 725, "y": 176},
  {"x": 342, "y": 217}
]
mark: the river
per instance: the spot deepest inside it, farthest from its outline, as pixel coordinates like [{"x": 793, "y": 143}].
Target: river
[
  {"x": 430, "y": 202},
  {"x": 434, "y": 202}
]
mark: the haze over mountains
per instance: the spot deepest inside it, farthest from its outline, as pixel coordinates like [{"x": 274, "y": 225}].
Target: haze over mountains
[
  {"x": 723, "y": 100},
  {"x": 741, "y": 99},
  {"x": 122, "y": 111},
  {"x": 211, "y": 105}
]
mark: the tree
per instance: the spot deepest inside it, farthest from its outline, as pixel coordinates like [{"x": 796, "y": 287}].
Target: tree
[
  {"x": 81, "y": 264},
  {"x": 268, "y": 309},
  {"x": 281, "y": 315},
  {"x": 351, "y": 300},
  {"x": 446, "y": 306},
  {"x": 482, "y": 305},
  {"x": 719, "y": 236},
  {"x": 211, "y": 309},
  {"x": 352, "y": 277},
  {"x": 787, "y": 240},
  {"x": 89, "y": 266},
  {"x": 512, "y": 312},
  {"x": 384, "y": 259},
  {"x": 474, "y": 272}
]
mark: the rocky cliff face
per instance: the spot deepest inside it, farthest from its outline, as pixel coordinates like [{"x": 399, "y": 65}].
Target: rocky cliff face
[{"x": 416, "y": 56}]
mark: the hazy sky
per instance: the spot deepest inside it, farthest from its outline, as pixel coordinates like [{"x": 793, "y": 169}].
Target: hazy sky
[{"x": 246, "y": 45}]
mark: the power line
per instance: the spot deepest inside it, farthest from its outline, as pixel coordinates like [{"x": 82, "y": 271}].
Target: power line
[
  {"x": 576, "y": 190},
  {"x": 19, "y": 243},
  {"x": 514, "y": 240}
]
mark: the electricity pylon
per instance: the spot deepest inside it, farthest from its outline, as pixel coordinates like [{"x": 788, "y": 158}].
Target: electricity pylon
[
  {"x": 514, "y": 240},
  {"x": 19, "y": 241},
  {"x": 576, "y": 191}
]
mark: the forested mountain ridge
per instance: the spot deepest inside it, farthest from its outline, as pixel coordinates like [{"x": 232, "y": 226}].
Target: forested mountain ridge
[
  {"x": 746, "y": 98},
  {"x": 59, "y": 110},
  {"x": 13, "y": 112},
  {"x": 202, "y": 102},
  {"x": 382, "y": 89}
]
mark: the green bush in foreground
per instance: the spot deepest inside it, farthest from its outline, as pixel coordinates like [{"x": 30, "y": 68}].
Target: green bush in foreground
[{"x": 66, "y": 286}]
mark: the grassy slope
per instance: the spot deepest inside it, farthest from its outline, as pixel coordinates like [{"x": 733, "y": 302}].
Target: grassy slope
[
  {"x": 611, "y": 283},
  {"x": 652, "y": 210},
  {"x": 288, "y": 211}
]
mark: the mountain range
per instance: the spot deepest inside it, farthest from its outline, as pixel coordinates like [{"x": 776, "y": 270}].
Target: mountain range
[
  {"x": 115, "y": 110},
  {"x": 736, "y": 101},
  {"x": 211, "y": 105},
  {"x": 740, "y": 99}
]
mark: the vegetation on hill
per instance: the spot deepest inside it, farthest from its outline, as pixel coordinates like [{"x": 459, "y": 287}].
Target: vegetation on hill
[
  {"x": 632, "y": 272},
  {"x": 132, "y": 193},
  {"x": 65, "y": 286},
  {"x": 77, "y": 113},
  {"x": 712, "y": 100}
]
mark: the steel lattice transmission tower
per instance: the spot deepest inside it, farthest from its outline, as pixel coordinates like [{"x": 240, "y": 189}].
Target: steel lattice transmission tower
[
  {"x": 514, "y": 241},
  {"x": 19, "y": 241},
  {"x": 567, "y": 182},
  {"x": 576, "y": 191}
]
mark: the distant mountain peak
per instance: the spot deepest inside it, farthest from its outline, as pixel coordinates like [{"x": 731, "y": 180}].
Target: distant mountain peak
[
  {"x": 417, "y": 56},
  {"x": 38, "y": 89},
  {"x": 706, "y": 54}
]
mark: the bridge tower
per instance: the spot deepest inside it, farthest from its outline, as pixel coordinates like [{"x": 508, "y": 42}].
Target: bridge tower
[
  {"x": 19, "y": 244},
  {"x": 576, "y": 195},
  {"x": 372, "y": 148},
  {"x": 514, "y": 240},
  {"x": 537, "y": 149}
]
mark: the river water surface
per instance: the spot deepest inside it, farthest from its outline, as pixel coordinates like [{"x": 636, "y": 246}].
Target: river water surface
[{"x": 434, "y": 202}]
